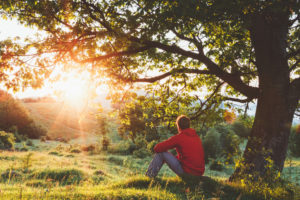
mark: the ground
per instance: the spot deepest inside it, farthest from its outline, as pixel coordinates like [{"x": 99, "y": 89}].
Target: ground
[{"x": 69, "y": 170}]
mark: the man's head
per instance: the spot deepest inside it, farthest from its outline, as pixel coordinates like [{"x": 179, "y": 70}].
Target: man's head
[{"x": 183, "y": 122}]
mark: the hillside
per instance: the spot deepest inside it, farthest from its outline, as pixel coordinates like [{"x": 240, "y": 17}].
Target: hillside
[{"x": 63, "y": 121}]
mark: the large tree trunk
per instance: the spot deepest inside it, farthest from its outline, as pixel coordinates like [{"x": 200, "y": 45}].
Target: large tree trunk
[{"x": 275, "y": 105}]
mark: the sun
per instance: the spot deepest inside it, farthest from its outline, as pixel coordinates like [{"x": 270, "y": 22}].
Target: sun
[{"x": 74, "y": 90}]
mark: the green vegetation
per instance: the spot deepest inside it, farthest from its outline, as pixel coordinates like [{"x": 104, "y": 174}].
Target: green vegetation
[
  {"x": 7, "y": 140},
  {"x": 15, "y": 118},
  {"x": 111, "y": 176}
]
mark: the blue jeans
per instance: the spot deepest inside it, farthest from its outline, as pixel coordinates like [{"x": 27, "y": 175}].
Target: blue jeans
[{"x": 159, "y": 159}]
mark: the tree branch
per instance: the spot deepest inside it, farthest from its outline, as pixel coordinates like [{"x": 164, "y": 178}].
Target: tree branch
[
  {"x": 237, "y": 100},
  {"x": 234, "y": 80},
  {"x": 176, "y": 71},
  {"x": 116, "y": 54}
]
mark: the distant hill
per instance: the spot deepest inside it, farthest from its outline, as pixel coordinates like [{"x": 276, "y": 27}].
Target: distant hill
[{"x": 63, "y": 121}]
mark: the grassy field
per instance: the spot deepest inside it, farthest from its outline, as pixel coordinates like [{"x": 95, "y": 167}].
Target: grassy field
[{"x": 56, "y": 170}]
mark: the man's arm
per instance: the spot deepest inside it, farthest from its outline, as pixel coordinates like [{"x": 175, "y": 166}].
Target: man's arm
[{"x": 167, "y": 144}]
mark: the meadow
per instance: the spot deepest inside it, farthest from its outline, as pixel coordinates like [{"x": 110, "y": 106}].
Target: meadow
[{"x": 79, "y": 169}]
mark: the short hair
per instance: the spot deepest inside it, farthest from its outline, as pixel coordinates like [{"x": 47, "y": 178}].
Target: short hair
[{"x": 183, "y": 122}]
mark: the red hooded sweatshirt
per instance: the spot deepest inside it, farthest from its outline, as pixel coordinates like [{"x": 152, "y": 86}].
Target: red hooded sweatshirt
[{"x": 189, "y": 150}]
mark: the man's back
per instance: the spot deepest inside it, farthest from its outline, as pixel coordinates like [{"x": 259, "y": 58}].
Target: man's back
[{"x": 189, "y": 149}]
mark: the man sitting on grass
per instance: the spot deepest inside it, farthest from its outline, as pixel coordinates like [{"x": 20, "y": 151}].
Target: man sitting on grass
[{"x": 190, "y": 155}]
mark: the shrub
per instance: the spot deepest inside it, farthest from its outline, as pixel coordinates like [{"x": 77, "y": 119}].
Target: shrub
[
  {"x": 105, "y": 142},
  {"x": 29, "y": 143},
  {"x": 140, "y": 142},
  {"x": 63, "y": 176},
  {"x": 141, "y": 153},
  {"x": 7, "y": 140},
  {"x": 211, "y": 144},
  {"x": 115, "y": 160},
  {"x": 294, "y": 143},
  {"x": 33, "y": 130},
  {"x": 12, "y": 112},
  {"x": 151, "y": 145},
  {"x": 240, "y": 129},
  {"x": 221, "y": 142},
  {"x": 124, "y": 147},
  {"x": 15, "y": 118}
]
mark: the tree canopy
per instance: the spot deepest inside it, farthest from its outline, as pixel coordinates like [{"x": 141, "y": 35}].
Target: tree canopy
[{"x": 238, "y": 50}]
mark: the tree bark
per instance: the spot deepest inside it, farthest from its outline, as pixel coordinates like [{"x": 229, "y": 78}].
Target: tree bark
[{"x": 275, "y": 105}]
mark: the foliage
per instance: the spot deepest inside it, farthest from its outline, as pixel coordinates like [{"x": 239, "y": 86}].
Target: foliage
[
  {"x": 210, "y": 47},
  {"x": 294, "y": 144},
  {"x": 105, "y": 142},
  {"x": 141, "y": 153},
  {"x": 151, "y": 145},
  {"x": 14, "y": 117},
  {"x": 221, "y": 142},
  {"x": 103, "y": 124},
  {"x": 34, "y": 130},
  {"x": 124, "y": 147},
  {"x": 211, "y": 144},
  {"x": 136, "y": 120},
  {"x": 268, "y": 184},
  {"x": 7, "y": 140}
]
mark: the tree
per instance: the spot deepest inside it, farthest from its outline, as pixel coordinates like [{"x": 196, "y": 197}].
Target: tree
[{"x": 241, "y": 51}]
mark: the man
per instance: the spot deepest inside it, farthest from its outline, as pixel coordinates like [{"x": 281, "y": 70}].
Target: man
[{"x": 190, "y": 154}]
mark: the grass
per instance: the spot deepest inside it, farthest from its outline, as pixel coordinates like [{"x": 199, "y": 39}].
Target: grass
[
  {"x": 56, "y": 170},
  {"x": 54, "y": 174}
]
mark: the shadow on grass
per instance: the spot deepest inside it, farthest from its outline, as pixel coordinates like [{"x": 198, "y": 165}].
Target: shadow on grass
[{"x": 195, "y": 188}]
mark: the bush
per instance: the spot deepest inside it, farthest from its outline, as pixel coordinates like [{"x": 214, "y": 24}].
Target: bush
[
  {"x": 63, "y": 176},
  {"x": 7, "y": 140},
  {"x": 15, "y": 118},
  {"x": 221, "y": 142},
  {"x": 240, "y": 129},
  {"x": 141, "y": 153},
  {"x": 294, "y": 143},
  {"x": 29, "y": 143},
  {"x": 34, "y": 131},
  {"x": 105, "y": 142},
  {"x": 151, "y": 145},
  {"x": 140, "y": 142},
  {"x": 12, "y": 112},
  {"x": 211, "y": 144},
  {"x": 124, "y": 147},
  {"x": 115, "y": 160}
]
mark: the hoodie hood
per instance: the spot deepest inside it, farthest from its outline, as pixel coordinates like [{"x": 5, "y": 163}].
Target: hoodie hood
[{"x": 189, "y": 131}]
